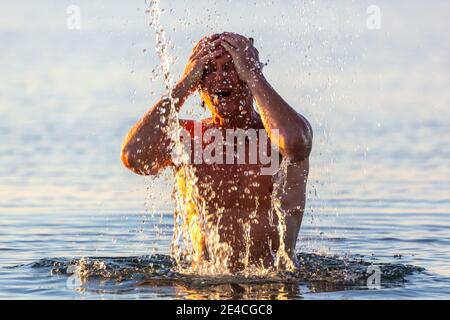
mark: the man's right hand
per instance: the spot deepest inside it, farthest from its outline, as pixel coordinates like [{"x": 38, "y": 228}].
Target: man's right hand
[
  {"x": 146, "y": 149},
  {"x": 206, "y": 49}
]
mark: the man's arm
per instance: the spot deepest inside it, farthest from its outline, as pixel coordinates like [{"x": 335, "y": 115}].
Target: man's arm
[
  {"x": 295, "y": 133},
  {"x": 147, "y": 147},
  {"x": 293, "y": 200}
]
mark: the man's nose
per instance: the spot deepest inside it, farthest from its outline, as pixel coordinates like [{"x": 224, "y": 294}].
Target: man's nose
[
  {"x": 220, "y": 68},
  {"x": 220, "y": 74}
]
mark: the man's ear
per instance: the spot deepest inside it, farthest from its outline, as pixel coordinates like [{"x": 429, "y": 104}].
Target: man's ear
[{"x": 251, "y": 40}]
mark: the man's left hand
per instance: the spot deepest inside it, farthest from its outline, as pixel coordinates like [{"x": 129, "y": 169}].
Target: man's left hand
[{"x": 245, "y": 56}]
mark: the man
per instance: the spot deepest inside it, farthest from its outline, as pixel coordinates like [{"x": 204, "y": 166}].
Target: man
[{"x": 239, "y": 197}]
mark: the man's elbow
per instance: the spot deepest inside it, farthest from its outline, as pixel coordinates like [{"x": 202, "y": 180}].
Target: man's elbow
[
  {"x": 298, "y": 147},
  {"x": 131, "y": 161},
  {"x": 134, "y": 162},
  {"x": 128, "y": 158}
]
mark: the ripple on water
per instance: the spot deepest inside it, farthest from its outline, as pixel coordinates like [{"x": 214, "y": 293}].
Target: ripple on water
[{"x": 318, "y": 273}]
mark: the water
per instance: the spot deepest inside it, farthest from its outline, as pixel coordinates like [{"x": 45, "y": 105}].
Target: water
[{"x": 379, "y": 183}]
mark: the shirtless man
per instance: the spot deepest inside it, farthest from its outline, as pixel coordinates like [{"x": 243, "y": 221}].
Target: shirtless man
[{"x": 225, "y": 70}]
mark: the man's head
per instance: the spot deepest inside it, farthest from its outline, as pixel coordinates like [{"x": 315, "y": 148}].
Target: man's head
[{"x": 221, "y": 89}]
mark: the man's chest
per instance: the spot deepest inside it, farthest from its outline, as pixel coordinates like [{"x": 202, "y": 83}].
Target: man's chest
[
  {"x": 231, "y": 167},
  {"x": 233, "y": 186}
]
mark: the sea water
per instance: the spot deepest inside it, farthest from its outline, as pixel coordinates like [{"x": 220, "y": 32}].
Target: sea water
[{"x": 76, "y": 224}]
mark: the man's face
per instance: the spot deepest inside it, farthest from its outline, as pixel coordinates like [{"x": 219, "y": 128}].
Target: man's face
[{"x": 222, "y": 87}]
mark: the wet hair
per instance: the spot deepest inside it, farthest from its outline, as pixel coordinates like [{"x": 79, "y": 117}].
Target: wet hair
[{"x": 203, "y": 103}]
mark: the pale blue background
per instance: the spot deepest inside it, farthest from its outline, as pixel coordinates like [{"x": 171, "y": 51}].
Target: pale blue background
[{"x": 378, "y": 101}]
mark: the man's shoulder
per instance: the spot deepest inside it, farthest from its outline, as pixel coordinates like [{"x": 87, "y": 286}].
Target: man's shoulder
[
  {"x": 190, "y": 124},
  {"x": 195, "y": 127}
]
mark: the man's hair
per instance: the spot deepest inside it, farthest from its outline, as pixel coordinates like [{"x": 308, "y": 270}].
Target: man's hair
[{"x": 203, "y": 103}]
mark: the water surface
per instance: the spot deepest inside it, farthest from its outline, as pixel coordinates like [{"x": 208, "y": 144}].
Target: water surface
[{"x": 379, "y": 186}]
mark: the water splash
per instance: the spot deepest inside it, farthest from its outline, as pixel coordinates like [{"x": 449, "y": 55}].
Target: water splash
[
  {"x": 190, "y": 222},
  {"x": 282, "y": 259},
  {"x": 317, "y": 273},
  {"x": 195, "y": 236}
]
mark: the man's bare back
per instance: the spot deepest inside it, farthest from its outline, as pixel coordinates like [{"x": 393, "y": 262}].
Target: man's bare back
[{"x": 238, "y": 198}]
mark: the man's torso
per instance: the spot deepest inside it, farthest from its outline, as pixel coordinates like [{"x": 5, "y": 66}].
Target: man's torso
[{"x": 237, "y": 200}]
